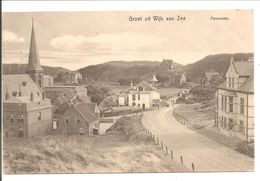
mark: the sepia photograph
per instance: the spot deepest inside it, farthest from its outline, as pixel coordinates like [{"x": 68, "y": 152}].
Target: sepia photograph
[{"x": 128, "y": 91}]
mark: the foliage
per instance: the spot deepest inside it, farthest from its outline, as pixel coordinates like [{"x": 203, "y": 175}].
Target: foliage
[
  {"x": 246, "y": 149},
  {"x": 97, "y": 94},
  {"x": 203, "y": 92},
  {"x": 218, "y": 62}
]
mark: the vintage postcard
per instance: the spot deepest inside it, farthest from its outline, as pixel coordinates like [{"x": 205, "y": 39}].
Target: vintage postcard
[{"x": 128, "y": 92}]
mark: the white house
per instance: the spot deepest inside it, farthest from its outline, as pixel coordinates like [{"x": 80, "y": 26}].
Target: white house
[
  {"x": 122, "y": 99},
  {"x": 47, "y": 80},
  {"x": 143, "y": 95},
  {"x": 235, "y": 100}
]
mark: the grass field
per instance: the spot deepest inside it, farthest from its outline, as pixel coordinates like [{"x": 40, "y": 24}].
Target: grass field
[
  {"x": 125, "y": 148},
  {"x": 202, "y": 112}
]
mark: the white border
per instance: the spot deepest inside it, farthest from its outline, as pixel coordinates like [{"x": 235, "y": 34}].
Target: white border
[{"x": 36, "y": 6}]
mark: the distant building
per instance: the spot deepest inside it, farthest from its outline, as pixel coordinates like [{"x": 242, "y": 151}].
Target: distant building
[
  {"x": 235, "y": 100},
  {"x": 53, "y": 92},
  {"x": 80, "y": 118},
  {"x": 26, "y": 110},
  {"x": 154, "y": 80},
  {"x": 183, "y": 78},
  {"x": 47, "y": 80},
  {"x": 123, "y": 99},
  {"x": 143, "y": 96},
  {"x": 211, "y": 77},
  {"x": 74, "y": 78}
]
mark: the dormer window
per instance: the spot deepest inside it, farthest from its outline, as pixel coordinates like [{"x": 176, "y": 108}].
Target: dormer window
[{"x": 140, "y": 88}]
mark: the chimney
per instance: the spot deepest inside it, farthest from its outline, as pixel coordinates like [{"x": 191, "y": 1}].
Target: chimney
[
  {"x": 132, "y": 84},
  {"x": 6, "y": 94},
  {"x": 32, "y": 96},
  {"x": 20, "y": 92}
]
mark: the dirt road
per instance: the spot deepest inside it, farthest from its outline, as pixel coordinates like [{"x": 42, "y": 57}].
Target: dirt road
[{"x": 204, "y": 153}]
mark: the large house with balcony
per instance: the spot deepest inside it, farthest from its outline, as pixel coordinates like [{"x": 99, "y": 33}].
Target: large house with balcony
[
  {"x": 143, "y": 96},
  {"x": 235, "y": 100}
]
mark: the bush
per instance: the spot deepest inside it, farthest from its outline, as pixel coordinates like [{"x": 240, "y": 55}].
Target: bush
[
  {"x": 203, "y": 92},
  {"x": 246, "y": 149}
]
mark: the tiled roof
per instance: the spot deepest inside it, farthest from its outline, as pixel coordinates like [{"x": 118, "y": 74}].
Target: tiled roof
[
  {"x": 148, "y": 87},
  {"x": 86, "y": 110},
  {"x": 248, "y": 85},
  {"x": 63, "y": 88},
  {"x": 22, "y": 83},
  {"x": 244, "y": 68},
  {"x": 85, "y": 99}
]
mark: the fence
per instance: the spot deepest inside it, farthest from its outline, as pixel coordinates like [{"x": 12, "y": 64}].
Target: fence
[
  {"x": 170, "y": 152},
  {"x": 210, "y": 132}
]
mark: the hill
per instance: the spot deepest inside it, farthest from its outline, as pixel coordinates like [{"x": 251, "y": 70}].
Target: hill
[
  {"x": 128, "y": 70},
  {"x": 218, "y": 62},
  {"x": 21, "y": 68}
]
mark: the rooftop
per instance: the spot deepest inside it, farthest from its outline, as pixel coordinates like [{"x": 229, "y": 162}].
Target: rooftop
[{"x": 19, "y": 88}]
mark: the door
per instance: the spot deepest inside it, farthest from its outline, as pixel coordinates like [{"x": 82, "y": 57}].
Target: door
[
  {"x": 81, "y": 131},
  {"x": 95, "y": 131},
  {"x": 143, "y": 106}
]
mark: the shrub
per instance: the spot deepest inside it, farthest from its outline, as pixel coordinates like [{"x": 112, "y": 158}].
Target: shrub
[
  {"x": 203, "y": 92},
  {"x": 246, "y": 149}
]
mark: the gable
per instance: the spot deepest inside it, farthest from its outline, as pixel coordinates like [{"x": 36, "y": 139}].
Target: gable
[{"x": 231, "y": 71}]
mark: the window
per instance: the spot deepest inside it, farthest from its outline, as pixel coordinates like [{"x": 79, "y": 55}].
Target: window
[
  {"x": 232, "y": 83},
  {"x": 230, "y": 104},
  {"x": 225, "y": 103},
  {"x": 221, "y": 121},
  {"x": 241, "y": 126},
  {"x": 20, "y": 120},
  {"x": 54, "y": 124},
  {"x": 78, "y": 121},
  {"x": 222, "y": 103},
  {"x": 138, "y": 105},
  {"x": 140, "y": 88},
  {"x": 224, "y": 122},
  {"x": 12, "y": 118},
  {"x": 81, "y": 131},
  {"x": 133, "y": 103},
  {"x": 133, "y": 97},
  {"x": 139, "y": 97},
  {"x": 242, "y": 104},
  {"x": 39, "y": 116},
  {"x": 230, "y": 123},
  {"x": 20, "y": 132},
  {"x": 67, "y": 120}
]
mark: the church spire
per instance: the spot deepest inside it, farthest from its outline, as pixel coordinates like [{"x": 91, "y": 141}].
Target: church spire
[
  {"x": 34, "y": 68},
  {"x": 34, "y": 61}
]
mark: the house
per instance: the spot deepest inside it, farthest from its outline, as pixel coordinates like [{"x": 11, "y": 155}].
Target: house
[
  {"x": 154, "y": 80},
  {"x": 122, "y": 99},
  {"x": 211, "y": 77},
  {"x": 235, "y": 100},
  {"x": 74, "y": 78},
  {"x": 52, "y": 92},
  {"x": 79, "y": 118},
  {"x": 143, "y": 95},
  {"x": 47, "y": 80},
  {"x": 183, "y": 78},
  {"x": 26, "y": 110}
]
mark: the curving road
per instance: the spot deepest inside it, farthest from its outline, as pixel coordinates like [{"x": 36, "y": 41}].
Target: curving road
[{"x": 204, "y": 153}]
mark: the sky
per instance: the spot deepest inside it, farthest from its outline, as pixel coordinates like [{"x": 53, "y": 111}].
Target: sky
[{"x": 75, "y": 40}]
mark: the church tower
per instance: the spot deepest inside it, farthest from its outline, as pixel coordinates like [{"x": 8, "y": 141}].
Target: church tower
[{"x": 34, "y": 68}]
